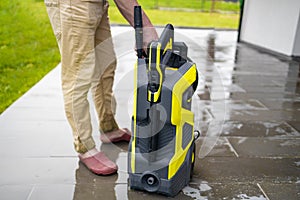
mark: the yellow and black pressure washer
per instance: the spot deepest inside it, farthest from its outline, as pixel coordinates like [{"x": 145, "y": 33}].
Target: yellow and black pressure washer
[{"x": 162, "y": 147}]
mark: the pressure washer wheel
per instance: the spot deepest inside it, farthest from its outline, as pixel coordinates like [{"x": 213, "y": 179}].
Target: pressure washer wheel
[{"x": 150, "y": 181}]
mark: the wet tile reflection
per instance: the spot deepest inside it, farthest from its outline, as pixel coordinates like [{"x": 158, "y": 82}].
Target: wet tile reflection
[
  {"x": 247, "y": 106},
  {"x": 90, "y": 186}
]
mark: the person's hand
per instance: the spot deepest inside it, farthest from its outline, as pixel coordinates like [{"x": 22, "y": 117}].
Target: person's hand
[{"x": 149, "y": 35}]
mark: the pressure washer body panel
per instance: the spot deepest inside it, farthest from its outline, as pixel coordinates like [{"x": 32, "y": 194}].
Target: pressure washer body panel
[{"x": 162, "y": 147}]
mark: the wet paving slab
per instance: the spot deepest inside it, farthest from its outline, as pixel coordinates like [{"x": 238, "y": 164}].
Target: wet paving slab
[
  {"x": 250, "y": 128},
  {"x": 292, "y": 190},
  {"x": 238, "y": 178},
  {"x": 246, "y": 107},
  {"x": 222, "y": 113}
]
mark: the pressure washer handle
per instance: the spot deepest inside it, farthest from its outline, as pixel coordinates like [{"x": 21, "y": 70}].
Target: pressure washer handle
[{"x": 138, "y": 26}]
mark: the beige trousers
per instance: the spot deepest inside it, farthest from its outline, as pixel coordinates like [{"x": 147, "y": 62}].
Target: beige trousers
[{"x": 88, "y": 62}]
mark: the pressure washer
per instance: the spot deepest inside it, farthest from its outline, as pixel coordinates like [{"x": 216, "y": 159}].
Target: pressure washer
[{"x": 161, "y": 152}]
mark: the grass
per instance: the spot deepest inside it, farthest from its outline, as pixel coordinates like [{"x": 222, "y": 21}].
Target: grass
[
  {"x": 28, "y": 49},
  {"x": 203, "y": 5},
  {"x": 181, "y": 18}
]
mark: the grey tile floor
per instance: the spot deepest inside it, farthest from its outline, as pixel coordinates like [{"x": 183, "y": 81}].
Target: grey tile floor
[{"x": 247, "y": 106}]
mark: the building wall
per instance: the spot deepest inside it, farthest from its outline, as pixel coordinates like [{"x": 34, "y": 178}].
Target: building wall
[
  {"x": 296, "y": 50},
  {"x": 272, "y": 24}
]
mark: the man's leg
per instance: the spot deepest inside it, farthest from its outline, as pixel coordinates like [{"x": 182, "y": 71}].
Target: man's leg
[
  {"x": 78, "y": 61},
  {"x": 103, "y": 83},
  {"x": 74, "y": 24}
]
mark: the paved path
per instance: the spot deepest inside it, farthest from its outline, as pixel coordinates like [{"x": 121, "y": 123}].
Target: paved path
[{"x": 247, "y": 106}]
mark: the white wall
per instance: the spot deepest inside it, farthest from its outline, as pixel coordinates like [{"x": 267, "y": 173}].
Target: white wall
[
  {"x": 272, "y": 24},
  {"x": 296, "y": 50}
]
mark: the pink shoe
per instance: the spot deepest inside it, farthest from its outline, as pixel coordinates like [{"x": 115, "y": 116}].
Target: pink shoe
[
  {"x": 114, "y": 136},
  {"x": 99, "y": 164}
]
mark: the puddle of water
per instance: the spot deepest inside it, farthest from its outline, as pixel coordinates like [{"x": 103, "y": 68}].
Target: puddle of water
[
  {"x": 193, "y": 193},
  {"x": 243, "y": 113},
  {"x": 121, "y": 191},
  {"x": 229, "y": 126},
  {"x": 242, "y": 140},
  {"x": 290, "y": 143},
  {"x": 283, "y": 129},
  {"x": 245, "y": 196},
  {"x": 269, "y": 125},
  {"x": 246, "y": 105},
  {"x": 197, "y": 193},
  {"x": 204, "y": 187},
  {"x": 280, "y": 130}
]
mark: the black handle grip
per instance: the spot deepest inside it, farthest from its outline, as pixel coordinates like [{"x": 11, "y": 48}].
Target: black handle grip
[{"x": 138, "y": 26}]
